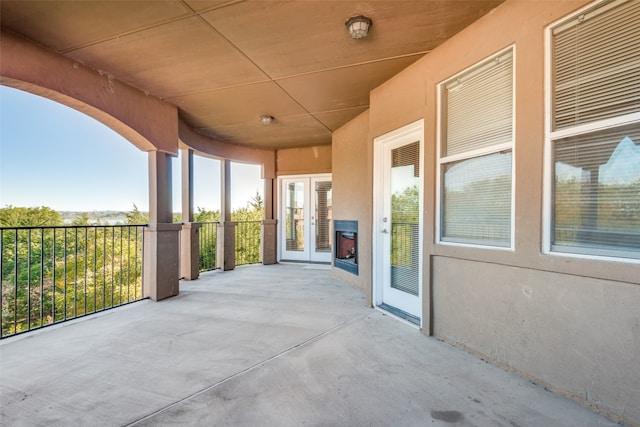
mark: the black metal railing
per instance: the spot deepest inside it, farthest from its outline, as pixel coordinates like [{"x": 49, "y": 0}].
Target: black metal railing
[
  {"x": 53, "y": 274},
  {"x": 208, "y": 245},
  {"x": 247, "y": 242}
]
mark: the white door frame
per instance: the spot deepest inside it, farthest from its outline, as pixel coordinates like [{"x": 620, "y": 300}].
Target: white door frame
[
  {"x": 308, "y": 255},
  {"x": 410, "y": 133}
]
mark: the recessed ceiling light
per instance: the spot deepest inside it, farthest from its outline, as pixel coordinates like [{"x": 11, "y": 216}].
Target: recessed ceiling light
[{"x": 266, "y": 119}]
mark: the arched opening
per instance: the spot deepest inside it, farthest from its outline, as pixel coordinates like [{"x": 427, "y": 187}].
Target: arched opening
[{"x": 55, "y": 156}]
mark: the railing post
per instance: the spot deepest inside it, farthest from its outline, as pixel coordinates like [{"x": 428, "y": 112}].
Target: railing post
[
  {"x": 190, "y": 250},
  {"x": 226, "y": 242},
  {"x": 161, "y": 255},
  {"x": 268, "y": 241}
]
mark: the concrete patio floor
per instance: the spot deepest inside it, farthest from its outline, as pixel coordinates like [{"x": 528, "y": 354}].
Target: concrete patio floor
[{"x": 281, "y": 345}]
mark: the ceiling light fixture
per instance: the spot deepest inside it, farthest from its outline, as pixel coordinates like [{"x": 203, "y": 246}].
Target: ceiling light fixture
[
  {"x": 266, "y": 119},
  {"x": 358, "y": 26}
]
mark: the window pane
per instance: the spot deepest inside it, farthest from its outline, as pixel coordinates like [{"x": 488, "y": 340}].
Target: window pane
[
  {"x": 597, "y": 192},
  {"x": 477, "y": 200}
]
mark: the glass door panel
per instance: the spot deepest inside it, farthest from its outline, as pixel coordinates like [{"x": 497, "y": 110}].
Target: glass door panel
[
  {"x": 321, "y": 220},
  {"x": 405, "y": 205}
]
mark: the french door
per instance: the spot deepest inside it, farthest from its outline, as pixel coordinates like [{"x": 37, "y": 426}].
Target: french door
[
  {"x": 305, "y": 218},
  {"x": 398, "y": 222}
]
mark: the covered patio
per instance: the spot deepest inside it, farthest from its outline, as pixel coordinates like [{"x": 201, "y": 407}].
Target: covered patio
[{"x": 284, "y": 344}]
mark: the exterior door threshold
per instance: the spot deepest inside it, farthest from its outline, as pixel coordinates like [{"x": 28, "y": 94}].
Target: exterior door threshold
[
  {"x": 415, "y": 320},
  {"x": 293, "y": 261}
]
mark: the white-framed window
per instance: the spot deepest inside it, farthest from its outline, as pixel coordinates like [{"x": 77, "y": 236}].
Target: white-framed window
[
  {"x": 593, "y": 132},
  {"x": 476, "y": 127}
]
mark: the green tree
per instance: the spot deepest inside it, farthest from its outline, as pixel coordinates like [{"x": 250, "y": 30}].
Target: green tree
[
  {"x": 256, "y": 203},
  {"x": 137, "y": 217},
  {"x": 254, "y": 211},
  {"x": 29, "y": 217},
  {"x": 84, "y": 219},
  {"x": 248, "y": 230},
  {"x": 203, "y": 215}
]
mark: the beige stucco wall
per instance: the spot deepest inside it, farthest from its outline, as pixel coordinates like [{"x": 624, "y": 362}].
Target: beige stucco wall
[
  {"x": 578, "y": 336},
  {"x": 305, "y": 160},
  {"x": 207, "y": 146},
  {"x": 570, "y": 323},
  {"x": 352, "y": 193}
]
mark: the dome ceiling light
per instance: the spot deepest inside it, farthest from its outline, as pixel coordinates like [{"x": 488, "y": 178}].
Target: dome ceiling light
[{"x": 358, "y": 26}]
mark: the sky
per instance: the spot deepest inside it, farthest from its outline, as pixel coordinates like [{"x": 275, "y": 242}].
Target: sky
[{"x": 54, "y": 156}]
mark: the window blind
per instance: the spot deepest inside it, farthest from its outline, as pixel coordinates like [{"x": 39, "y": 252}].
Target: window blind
[
  {"x": 597, "y": 65},
  {"x": 478, "y": 107}
]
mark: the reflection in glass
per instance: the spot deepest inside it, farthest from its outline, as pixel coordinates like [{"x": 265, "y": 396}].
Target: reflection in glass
[
  {"x": 597, "y": 192},
  {"x": 294, "y": 216},
  {"x": 476, "y": 203}
]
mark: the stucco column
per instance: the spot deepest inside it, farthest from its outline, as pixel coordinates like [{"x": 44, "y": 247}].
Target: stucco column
[
  {"x": 161, "y": 238},
  {"x": 187, "y": 185},
  {"x": 269, "y": 227},
  {"x": 190, "y": 234},
  {"x": 226, "y": 233},
  {"x": 226, "y": 255}
]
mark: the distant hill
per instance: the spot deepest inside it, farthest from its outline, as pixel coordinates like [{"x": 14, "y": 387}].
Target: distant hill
[{"x": 109, "y": 217}]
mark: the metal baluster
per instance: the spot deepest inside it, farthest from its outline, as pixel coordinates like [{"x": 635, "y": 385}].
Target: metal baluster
[
  {"x": 15, "y": 282},
  {"x": 95, "y": 268},
  {"x": 1, "y": 282},
  {"x": 29, "y": 279},
  {"x": 86, "y": 258},
  {"x": 113, "y": 283},
  {"x": 53, "y": 294},
  {"x": 104, "y": 270},
  {"x": 135, "y": 263},
  {"x": 75, "y": 274},
  {"x": 64, "y": 254},
  {"x": 120, "y": 282},
  {"x": 129, "y": 264},
  {"x": 41, "y": 277}
]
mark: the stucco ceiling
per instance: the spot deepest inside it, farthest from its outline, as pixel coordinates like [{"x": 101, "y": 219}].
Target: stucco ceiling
[{"x": 225, "y": 63}]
